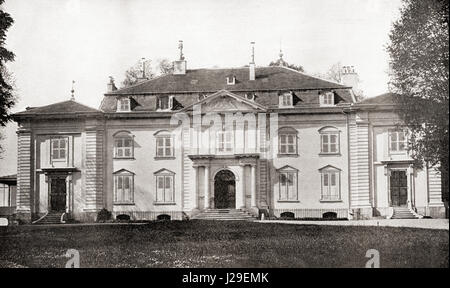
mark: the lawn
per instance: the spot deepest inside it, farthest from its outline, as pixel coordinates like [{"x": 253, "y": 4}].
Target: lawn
[{"x": 222, "y": 244}]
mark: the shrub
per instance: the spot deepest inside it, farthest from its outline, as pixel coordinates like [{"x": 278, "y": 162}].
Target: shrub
[{"x": 103, "y": 215}]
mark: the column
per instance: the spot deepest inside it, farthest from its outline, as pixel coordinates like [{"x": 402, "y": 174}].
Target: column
[
  {"x": 206, "y": 187},
  {"x": 195, "y": 190},
  {"x": 253, "y": 185},
  {"x": 240, "y": 189}
]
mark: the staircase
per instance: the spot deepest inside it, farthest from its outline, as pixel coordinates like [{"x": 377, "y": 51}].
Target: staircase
[
  {"x": 50, "y": 218},
  {"x": 224, "y": 214},
  {"x": 403, "y": 213}
]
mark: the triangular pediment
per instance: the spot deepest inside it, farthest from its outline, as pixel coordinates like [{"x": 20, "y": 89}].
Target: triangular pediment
[{"x": 225, "y": 101}]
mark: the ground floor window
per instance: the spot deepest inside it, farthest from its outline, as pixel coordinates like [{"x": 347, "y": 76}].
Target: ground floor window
[
  {"x": 165, "y": 191},
  {"x": 4, "y": 195},
  {"x": 123, "y": 187},
  {"x": 330, "y": 184},
  {"x": 288, "y": 184}
]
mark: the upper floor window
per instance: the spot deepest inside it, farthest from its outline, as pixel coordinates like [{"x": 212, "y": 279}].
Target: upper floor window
[
  {"x": 123, "y": 105},
  {"x": 164, "y": 144},
  {"x": 288, "y": 184},
  {"x": 59, "y": 149},
  {"x": 224, "y": 141},
  {"x": 165, "y": 102},
  {"x": 231, "y": 80},
  {"x": 123, "y": 145},
  {"x": 397, "y": 141},
  {"x": 287, "y": 141},
  {"x": 123, "y": 187},
  {"x": 327, "y": 99},
  {"x": 329, "y": 140},
  {"x": 286, "y": 100},
  {"x": 165, "y": 191},
  {"x": 330, "y": 184}
]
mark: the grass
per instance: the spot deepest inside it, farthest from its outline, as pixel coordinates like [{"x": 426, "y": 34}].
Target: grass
[{"x": 222, "y": 244}]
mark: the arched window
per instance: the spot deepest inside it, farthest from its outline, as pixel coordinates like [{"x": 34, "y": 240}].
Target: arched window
[
  {"x": 123, "y": 187},
  {"x": 329, "y": 140},
  {"x": 164, "y": 144},
  {"x": 287, "y": 141},
  {"x": 123, "y": 145},
  {"x": 330, "y": 183}
]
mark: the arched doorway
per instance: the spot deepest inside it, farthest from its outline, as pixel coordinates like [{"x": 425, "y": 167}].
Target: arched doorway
[{"x": 224, "y": 190}]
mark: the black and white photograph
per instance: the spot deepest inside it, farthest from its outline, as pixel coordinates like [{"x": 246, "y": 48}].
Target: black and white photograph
[{"x": 243, "y": 135}]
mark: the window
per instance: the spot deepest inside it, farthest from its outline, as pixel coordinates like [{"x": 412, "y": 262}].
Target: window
[
  {"x": 224, "y": 141},
  {"x": 123, "y": 145},
  {"x": 164, "y": 144},
  {"x": 397, "y": 141},
  {"x": 123, "y": 187},
  {"x": 329, "y": 140},
  {"x": 330, "y": 184},
  {"x": 231, "y": 80},
  {"x": 287, "y": 141},
  {"x": 327, "y": 99},
  {"x": 165, "y": 103},
  {"x": 58, "y": 149},
  {"x": 286, "y": 100},
  {"x": 123, "y": 105},
  {"x": 165, "y": 192},
  {"x": 288, "y": 184},
  {"x": 4, "y": 195}
]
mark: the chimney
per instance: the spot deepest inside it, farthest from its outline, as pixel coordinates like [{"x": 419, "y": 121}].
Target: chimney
[
  {"x": 349, "y": 77},
  {"x": 111, "y": 87},
  {"x": 179, "y": 66},
  {"x": 252, "y": 64}
]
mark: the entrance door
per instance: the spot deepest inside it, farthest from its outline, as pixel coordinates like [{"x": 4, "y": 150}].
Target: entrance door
[
  {"x": 224, "y": 190},
  {"x": 399, "y": 188},
  {"x": 58, "y": 194}
]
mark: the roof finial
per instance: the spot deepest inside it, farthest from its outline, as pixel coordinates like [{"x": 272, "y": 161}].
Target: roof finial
[
  {"x": 180, "y": 47},
  {"x": 72, "y": 97}
]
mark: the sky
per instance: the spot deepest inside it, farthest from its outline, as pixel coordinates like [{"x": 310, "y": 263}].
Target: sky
[{"x": 57, "y": 41}]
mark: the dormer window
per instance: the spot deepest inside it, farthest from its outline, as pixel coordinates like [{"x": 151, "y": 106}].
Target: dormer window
[
  {"x": 250, "y": 96},
  {"x": 285, "y": 100},
  {"x": 165, "y": 103},
  {"x": 231, "y": 80},
  {"x": 327, "y": 99},
  {"x": 123, "y": 105}
]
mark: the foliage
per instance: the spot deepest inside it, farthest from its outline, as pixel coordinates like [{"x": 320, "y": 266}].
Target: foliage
[
  {"x": 419, "y": 52},
  {"x": 103, "y": 215},
  {"x": 281, "y": 62},
  {"x": 134, "y": 74}
]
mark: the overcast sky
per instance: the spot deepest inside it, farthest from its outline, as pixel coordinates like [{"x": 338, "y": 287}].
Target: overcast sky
[{"x": 57, "y": 41}]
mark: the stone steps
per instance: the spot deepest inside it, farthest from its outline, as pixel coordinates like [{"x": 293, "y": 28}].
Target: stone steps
[
  {"x": 224, "y": 214},
  {"x": 51, "y": 218},
  {"x": 403, "y": 213}
]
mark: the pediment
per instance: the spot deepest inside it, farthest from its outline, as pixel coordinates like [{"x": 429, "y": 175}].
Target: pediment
[{"x": 225, "y": 101}]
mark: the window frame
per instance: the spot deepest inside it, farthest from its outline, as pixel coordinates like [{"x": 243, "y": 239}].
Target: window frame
[
  {"x": 219, "y": 141},
  {"x": 66, "y": 149},
  {"x": 169, "y": 103},
  {"x": 122, "y": 174},
  {"x": 164, "y": 174},
  {"x": 286, "y": 100},
  {"x": 5, "y": 195},
  {"x": 123, "y": 138},
  {"x": 120, "y": 106},
  {"x": 284, "y": 173},
  {"x": 405, "y": 142},
  {"x": 287, "y": 132},
  {"x": 325, "y": 98},
  {"x": 329, "y": 131},
  {"x": 164, "y": 135},
  {"x": 329, "y": 172}
]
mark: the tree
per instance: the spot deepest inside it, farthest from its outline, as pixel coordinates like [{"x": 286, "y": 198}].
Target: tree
[
  {"x": 335, "y": 74},
  {"x": 281, "y": 62},
  {"x": 419, "y": 62},
  {"x": 7, "y": 97},
  {"x": 135, "y": 73}
]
